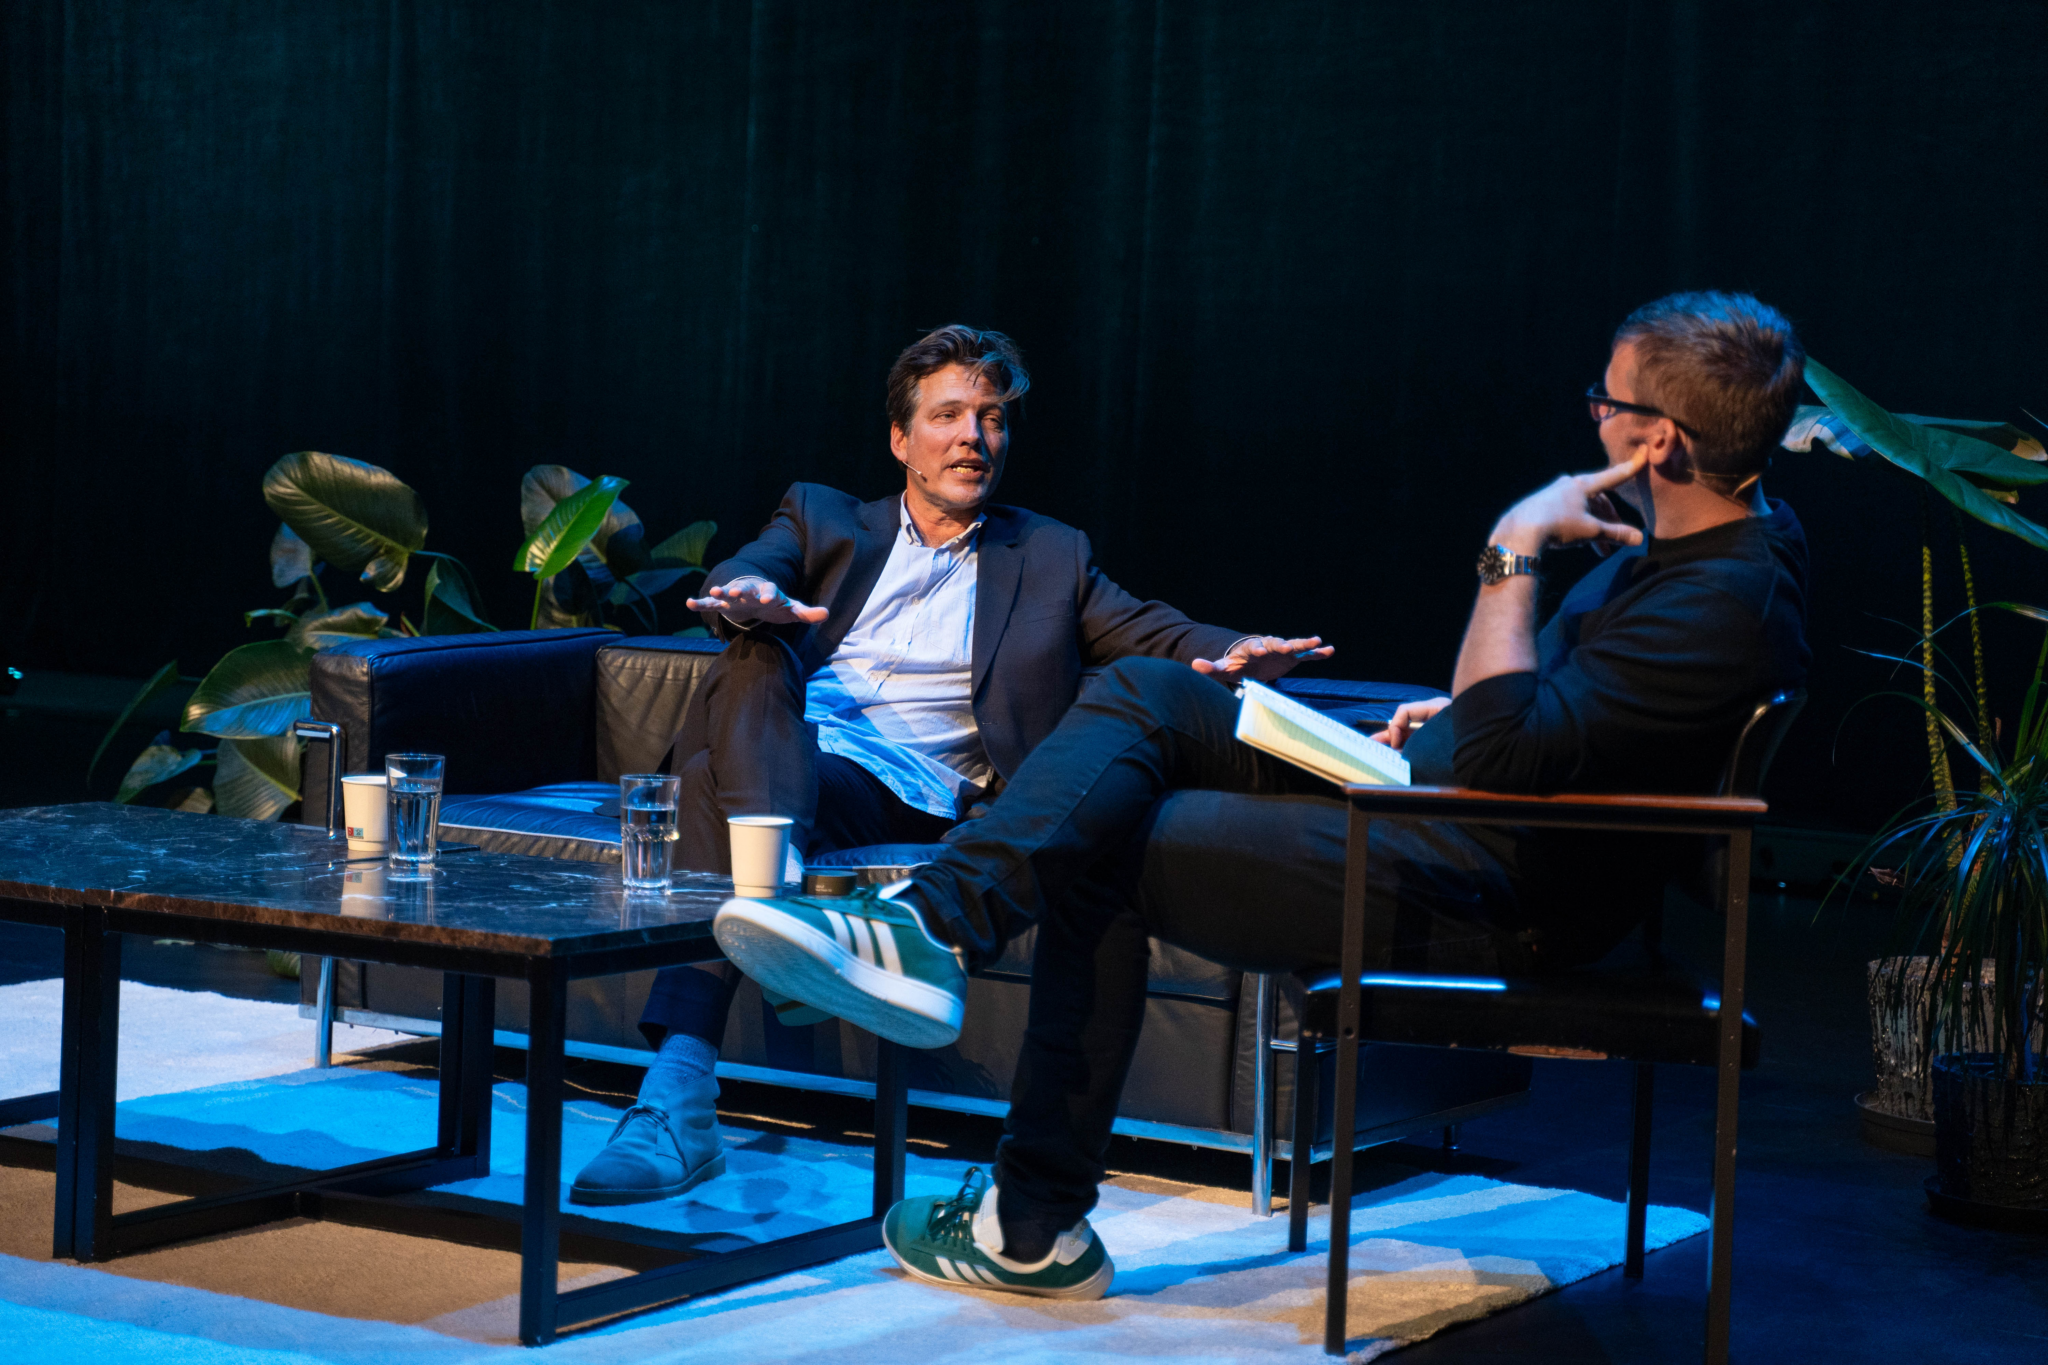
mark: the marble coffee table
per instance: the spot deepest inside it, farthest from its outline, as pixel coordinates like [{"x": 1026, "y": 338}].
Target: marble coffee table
[{"x": 99, "y": 870}]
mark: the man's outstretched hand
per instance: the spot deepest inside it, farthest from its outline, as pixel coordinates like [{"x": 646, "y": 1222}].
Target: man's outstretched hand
[
  {"x": 756, "y": 601},
  {"x": 1263, "y": 658}
]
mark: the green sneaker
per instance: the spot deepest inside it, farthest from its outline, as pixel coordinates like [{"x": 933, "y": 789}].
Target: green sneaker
[
  {"x": 867, "y": 960},
  {"x": 946, "y": 1241}
]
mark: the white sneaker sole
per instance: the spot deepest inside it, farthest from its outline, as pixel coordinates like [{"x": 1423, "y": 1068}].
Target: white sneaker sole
[
  {"x": 791, "y": 958},
  {"x": 1094, "y": 1287}
]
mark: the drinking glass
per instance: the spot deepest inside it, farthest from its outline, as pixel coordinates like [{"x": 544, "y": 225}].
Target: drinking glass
[
  {"x": 647, "y": 828},
  {"x": 415, "y": 809}
]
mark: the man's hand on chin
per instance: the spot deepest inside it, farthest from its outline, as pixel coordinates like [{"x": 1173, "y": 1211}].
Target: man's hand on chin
[{"x": 1263, "y": 658}]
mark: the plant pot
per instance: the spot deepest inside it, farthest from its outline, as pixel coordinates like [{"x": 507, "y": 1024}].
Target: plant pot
[
  {"x": 1991, "y": 1142},
  {"x": 1898, "y": 1049},
  {"x": 1898, "y": 1111}
]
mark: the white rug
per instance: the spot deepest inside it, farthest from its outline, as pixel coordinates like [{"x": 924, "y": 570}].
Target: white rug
[
  {"x": 170, "y": 1040},
  {"x": 1197, "y": 1278}
]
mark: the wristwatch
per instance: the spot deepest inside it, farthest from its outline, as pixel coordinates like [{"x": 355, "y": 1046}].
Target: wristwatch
[{"x": 1497, "y": 562}]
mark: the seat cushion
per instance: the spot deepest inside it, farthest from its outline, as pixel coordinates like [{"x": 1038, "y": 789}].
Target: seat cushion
[
  {"x": 1664, "y": 1014},
  {"x": 556, "y": 821}
]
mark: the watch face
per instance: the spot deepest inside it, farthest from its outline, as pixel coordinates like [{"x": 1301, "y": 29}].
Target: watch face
[{"x": 1493, "y": 565}]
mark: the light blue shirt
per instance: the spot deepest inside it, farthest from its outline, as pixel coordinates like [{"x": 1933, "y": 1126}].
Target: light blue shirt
[{"x": 896, "y": 696}]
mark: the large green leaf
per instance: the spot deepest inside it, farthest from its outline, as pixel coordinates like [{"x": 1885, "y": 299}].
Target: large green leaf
[
  {"x": 568, "y": 528},
  {"x": 686, "y": 546},
  {"x": 547, "y": 485},
  {"x": 160, "y": 762},
  {"x": 257, "y": 778},
  {"x": 254, "y": 691},
  {"x": 451, "y": 601},
  {"x": 158, "y": 681},
  {"x": 357, "y": 621},
  {"x": 1939, "y": 456},
  {"x": 291, "y": 558},
  {"x": 353, "y": 515},
  {"x": 615, "y": 549}
]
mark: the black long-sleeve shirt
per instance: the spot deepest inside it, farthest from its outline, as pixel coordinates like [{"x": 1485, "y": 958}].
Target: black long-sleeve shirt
[{"x": 1643, "y": 680}]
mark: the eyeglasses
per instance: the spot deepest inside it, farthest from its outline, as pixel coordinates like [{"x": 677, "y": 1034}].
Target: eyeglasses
[{"x": 1602, "y": 407}]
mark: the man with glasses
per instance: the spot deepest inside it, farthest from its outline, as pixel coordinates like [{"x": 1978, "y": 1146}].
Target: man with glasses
[{"x": 1143, "y": 815}]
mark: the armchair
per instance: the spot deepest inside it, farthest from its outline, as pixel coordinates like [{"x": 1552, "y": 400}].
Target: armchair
[{"x": 1663, "y": 1014}]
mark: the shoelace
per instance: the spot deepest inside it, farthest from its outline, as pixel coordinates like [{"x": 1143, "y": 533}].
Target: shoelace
[
  {"x": 952, "y": 1220},
  {"x": 660, "y": 1117}
]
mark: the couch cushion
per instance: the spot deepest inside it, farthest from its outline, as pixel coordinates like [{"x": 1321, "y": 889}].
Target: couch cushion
[
  {"x": 647, "y": 688},
  {"x": 555, "y": 821}
]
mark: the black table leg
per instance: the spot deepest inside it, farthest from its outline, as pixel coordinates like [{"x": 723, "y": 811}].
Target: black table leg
[
  {"x": 892, "y": 1121},
  {"x": 468, "y": 1018},
  {"x": 85, "y": 1118},
  {"x": 29, "y": 1108},
  {"x": 541, "y": 1223}
]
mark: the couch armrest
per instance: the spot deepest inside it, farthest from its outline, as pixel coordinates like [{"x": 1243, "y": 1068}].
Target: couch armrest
[
  {"x": 649, "y": 691},
  {"x": 510, "y": 709}
]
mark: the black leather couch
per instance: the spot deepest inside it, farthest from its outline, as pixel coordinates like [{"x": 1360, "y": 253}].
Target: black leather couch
[{"x": 537, "y": 727}]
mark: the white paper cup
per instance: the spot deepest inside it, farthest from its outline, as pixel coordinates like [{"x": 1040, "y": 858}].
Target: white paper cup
[
  {"x": 365, "y": 800},
  {"x": 760, "y": 853}
]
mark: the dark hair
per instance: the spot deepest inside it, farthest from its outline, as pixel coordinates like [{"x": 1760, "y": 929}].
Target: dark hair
[
  {"x": 1726, "y": 366},
  {"x": 987, "y": 355}
]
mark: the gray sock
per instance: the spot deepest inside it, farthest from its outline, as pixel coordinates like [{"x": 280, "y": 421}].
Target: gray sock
[{"x": 681, "y": 1063}]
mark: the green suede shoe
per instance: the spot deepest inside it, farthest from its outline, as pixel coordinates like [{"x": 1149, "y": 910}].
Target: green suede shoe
[
  {"x": 934, "y": 1239},
  {"x": 868, "y": 960}
]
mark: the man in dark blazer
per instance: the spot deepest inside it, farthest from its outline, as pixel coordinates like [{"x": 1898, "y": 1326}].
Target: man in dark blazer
[{"x": 888, "y": 666}]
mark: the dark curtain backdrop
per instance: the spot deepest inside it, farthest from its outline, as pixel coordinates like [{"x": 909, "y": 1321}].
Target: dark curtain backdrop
[{"x": 1309, "y": 290}]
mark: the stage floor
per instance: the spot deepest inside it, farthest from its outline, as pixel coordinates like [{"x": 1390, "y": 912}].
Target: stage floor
[{"x": 1836, "y": 1256}]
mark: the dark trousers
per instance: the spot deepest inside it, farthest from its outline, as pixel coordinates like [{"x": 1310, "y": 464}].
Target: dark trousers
[
  {"x": 761, "y": 758},
  {"x": 1142, "y": 815}
]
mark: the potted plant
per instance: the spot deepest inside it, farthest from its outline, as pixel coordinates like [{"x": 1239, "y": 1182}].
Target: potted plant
[
  {"x": 584, "y": 549},
  {"x": 1972, "y": 874},
  {"x": 1978, "y": 468}
]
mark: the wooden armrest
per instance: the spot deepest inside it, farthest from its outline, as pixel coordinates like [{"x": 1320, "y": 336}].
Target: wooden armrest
[{"x": 1463, "y": 805}]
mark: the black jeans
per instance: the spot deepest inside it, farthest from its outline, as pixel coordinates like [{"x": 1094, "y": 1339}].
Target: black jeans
[
  {"x": 763, "y": 759},
  {"x": 1142, "y": 815}
]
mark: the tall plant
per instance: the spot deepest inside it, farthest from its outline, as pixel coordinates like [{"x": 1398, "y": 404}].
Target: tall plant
[{"x": 1972, "y": 872}]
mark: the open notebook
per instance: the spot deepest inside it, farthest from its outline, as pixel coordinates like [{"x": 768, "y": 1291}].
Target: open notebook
[{"x": 1307, "y": 738}]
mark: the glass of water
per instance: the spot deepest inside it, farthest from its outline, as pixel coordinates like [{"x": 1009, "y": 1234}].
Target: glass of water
[
  {"x": 647, "y": 828},
  {"x": 415, "y": 808}
]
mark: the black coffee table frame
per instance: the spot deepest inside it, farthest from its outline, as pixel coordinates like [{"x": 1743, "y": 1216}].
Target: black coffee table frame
[{"x": 87, "y": 1229}]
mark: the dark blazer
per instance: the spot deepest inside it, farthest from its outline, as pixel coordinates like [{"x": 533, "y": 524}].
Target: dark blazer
[{"x": 1042, "y": 610}]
